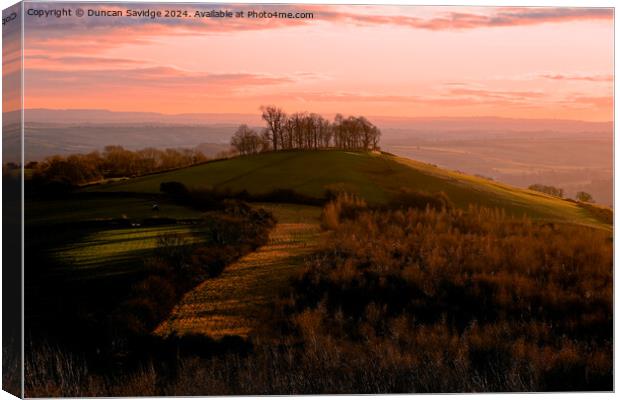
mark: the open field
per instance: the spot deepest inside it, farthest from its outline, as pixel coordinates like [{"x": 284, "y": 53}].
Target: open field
[
  {"x": 111, "y": 251},
  {"x": 376, "y": 177},
  {"x": 232, "y": 303},
  {"x": 84, "y": 255},
  {"x": 307, "y": 172},
  {"x": 100, "y": 208},
  {"x": 87, "y": 244},
  {"x": 88, "y": 270}
]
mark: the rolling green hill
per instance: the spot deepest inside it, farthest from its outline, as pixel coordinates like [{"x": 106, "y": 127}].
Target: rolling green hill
[{"x": 374, "y": 176}]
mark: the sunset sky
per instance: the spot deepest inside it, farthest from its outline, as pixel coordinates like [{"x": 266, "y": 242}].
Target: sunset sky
[{"x": 376, "y": 61}]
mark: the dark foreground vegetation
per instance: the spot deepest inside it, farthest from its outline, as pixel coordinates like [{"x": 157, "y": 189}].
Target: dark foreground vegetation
[
  {"x": 106, "y": 322},
  {"x": 485, "y": 302},
  {"x": 414, "y": 296}
]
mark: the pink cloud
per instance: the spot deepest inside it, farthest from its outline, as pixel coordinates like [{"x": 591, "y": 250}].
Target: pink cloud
[
  {"x": 139, "y": 30},
  {"x": 148, "y": 78},
  {"x": 602, "y": 102},
  {"x": 80, "y": 36},
  {"x": 449, "y": 99},
  {"x": 498, "y": 94},
  {"x": 42, "y": 61},
  {"x": 460, "y": 99},
  {"x": 589, "y": 78},
  {"x": 501, "y": 17}
]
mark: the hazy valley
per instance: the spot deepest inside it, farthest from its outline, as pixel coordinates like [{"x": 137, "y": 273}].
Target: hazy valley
[{"x": 573, "y": 155}]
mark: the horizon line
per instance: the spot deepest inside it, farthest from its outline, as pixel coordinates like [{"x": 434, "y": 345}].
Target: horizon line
[{"x": 258, "y": 114}]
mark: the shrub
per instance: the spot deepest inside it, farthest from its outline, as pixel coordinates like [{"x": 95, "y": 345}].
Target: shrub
[
  {"x": 584, "y": 197},
  {"x": 138, "y": 316},
  {"x": 159, "y": 289},
  {"x": 507, "y": 300},
  {"x": 345, "y": 206},
  {"x": 174, "y": 249},
  {"x": 550, "y": 190},
  {"x": 408, "y": 198},
  {"x": 212, "y": 260},
  {"x": 285, "y": 196},
  {"x": 175, "y": 190}
]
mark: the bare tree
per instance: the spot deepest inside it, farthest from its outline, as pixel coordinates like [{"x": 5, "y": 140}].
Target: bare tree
[
  {"x": 325, "y": 132},
  {"x": 275, "y": 119},
  {"x": 246, "y": 140},
  {"x": 288, "y": 134},
  {"x": 376, "y": 135},
  {"x": 311, "y": 131},
  {"x": 265, "y": 140}
]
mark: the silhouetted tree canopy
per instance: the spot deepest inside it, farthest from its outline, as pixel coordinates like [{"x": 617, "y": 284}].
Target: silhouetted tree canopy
[
  {"x": 114, "y": 161},
  {"x": 247, "y": 141},
  {"x": 304, "y": 130},
  {"x": 550, "y": 190},
  {"x": 275, "y": 119},
  {"x": 585, "y": 197}
]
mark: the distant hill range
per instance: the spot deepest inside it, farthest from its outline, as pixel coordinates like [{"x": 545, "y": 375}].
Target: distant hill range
[
  {"x": 43, "y": 140},
  {"x": 440, "y": 124},
  {"x": 51, "y": 132},
  {"x": 575, "y": 155},
  {"x": 73, "y": 116}
]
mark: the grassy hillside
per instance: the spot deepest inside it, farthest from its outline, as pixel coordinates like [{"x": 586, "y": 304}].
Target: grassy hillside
[
  {"x": 91, "y": 208},
  {"x": 376, "y": 177}
]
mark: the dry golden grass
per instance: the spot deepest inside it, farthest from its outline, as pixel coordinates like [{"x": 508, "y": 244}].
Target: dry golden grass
[{"x": 231, "y": 303}]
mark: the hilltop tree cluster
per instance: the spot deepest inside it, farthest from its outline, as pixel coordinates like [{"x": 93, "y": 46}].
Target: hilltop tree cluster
[
  {"x": 114, "y": 161},
  {"x": 307, "y": 131}
]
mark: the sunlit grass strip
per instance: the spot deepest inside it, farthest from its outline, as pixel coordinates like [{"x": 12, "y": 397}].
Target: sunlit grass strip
[
  {"x": 115, "y": 245},
  {"x": 230, "y": 303}
]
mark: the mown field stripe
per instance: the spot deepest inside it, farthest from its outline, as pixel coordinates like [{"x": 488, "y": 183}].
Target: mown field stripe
[{"x": 229, "y": 304}]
